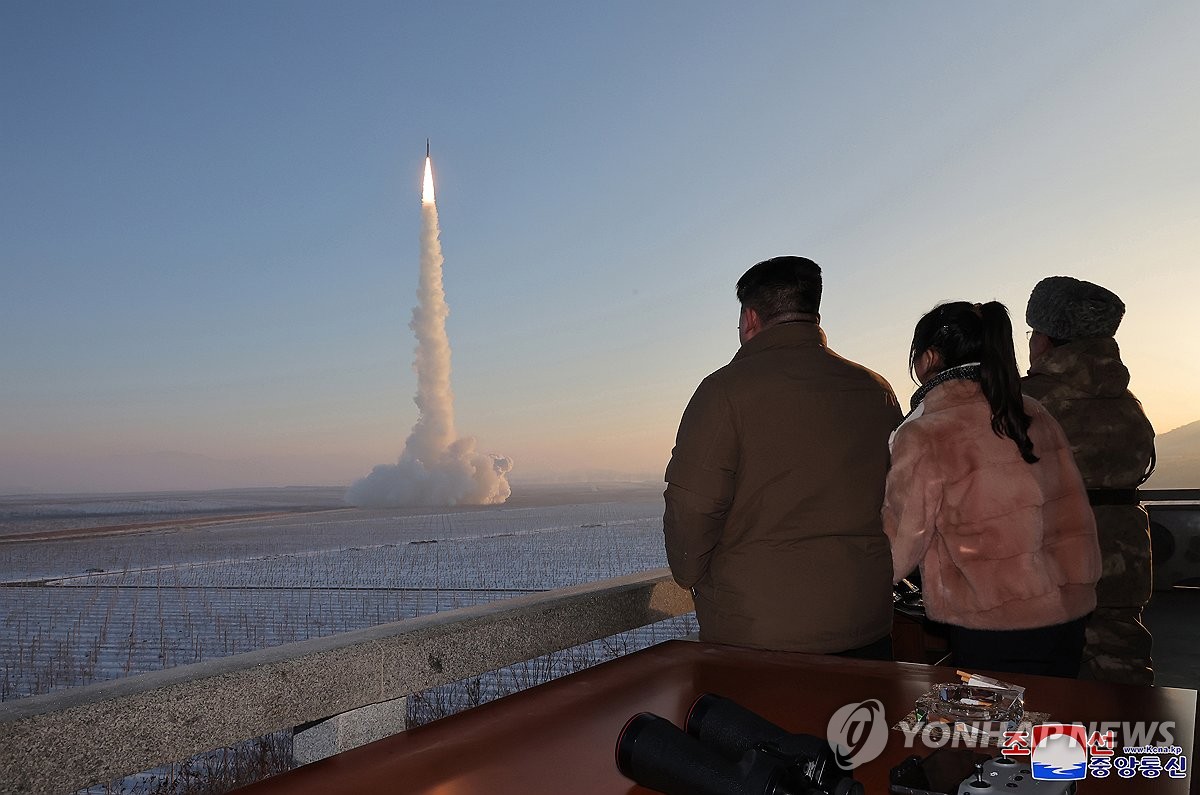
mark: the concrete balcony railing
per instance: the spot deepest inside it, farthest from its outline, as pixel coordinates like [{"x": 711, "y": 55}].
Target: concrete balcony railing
[{"x": 84, "y": 736}]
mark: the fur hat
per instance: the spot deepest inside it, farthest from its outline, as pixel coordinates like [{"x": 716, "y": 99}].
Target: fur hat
[{"x": 1070, "y": 309}]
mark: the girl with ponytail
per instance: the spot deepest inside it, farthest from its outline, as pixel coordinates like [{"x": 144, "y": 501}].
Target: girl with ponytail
[{"x": 985, "y": 499}]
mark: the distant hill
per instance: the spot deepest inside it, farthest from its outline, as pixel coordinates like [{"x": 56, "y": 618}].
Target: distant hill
[{"x": 1178, "y": 459}]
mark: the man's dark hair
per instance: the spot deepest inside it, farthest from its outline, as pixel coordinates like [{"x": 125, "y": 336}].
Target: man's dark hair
[{"x": 781, "y": 286}]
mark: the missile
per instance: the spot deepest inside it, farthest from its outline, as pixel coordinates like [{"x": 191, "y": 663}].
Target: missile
[{"x": 427, "y": 147}]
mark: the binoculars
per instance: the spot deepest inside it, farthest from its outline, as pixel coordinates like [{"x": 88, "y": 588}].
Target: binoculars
[{"x": 725, "y": 749}]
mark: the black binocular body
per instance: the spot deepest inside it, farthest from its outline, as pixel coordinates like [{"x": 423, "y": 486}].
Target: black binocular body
[{"x": 728, "y": 750}]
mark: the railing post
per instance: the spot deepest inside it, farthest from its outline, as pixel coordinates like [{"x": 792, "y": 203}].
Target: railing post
[{"x": 320, "y": 739}]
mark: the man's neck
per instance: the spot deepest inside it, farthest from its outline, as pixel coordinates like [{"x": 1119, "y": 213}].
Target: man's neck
[{"x": 794, "y": 317}]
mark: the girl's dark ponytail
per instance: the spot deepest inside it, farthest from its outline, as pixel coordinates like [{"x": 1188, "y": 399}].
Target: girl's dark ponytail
[
  {"x": 964, "y": 333},
  {"x": 1000, "y": 380}
]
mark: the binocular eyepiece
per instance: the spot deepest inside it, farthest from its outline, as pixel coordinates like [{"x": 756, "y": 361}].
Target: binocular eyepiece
[{"x": 727, "y": 750}]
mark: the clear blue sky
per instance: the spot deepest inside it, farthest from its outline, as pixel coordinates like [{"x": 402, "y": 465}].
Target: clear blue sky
[{"x": 209, "y": 212}]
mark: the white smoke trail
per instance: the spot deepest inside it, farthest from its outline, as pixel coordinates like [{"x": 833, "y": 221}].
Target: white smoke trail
[{"x": 435, "y": 467}]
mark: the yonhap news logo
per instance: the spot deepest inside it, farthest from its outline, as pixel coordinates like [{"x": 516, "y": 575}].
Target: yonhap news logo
[
  {"x": 857, "y": 733},
  {"x": 1053, "y": 751}
]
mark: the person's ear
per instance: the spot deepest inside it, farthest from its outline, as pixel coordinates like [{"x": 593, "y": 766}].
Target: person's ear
[
  {"x": 928, "y": 364},
  {"x": 751, "y": 323},
  {"x": 1039, "y": 344}
]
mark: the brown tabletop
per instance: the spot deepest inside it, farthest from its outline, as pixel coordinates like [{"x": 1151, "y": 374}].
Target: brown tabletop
[{"x": 560, "y": 737}]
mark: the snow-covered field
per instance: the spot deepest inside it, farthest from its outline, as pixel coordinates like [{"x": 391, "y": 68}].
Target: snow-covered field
[{"x": 96, "y": 588}]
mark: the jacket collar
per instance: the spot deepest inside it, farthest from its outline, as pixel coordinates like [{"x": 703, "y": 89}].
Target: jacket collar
[
  {"x": 1089, "y": 366},
  {"x": 962, "y": 372},
  {"x": 792, "y": 334},
  {"x": 940, "y": 396},
  {"x": 950, "y": 394}
]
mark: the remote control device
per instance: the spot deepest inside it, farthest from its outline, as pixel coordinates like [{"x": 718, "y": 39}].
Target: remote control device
[{"x": 1004, "y": 775}]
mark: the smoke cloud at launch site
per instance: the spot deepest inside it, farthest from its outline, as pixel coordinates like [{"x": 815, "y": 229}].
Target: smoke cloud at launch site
[{"x": 436, "y": 467}]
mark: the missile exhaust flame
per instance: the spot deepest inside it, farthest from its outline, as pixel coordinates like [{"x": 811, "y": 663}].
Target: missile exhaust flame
[{"x": 427, "y": 189}]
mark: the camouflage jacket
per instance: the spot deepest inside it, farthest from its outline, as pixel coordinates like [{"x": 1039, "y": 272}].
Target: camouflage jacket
[{"x": 1085, "y": 386}]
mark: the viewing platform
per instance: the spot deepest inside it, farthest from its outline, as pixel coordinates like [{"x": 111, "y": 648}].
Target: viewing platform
[{"x": 343, "y": 691}]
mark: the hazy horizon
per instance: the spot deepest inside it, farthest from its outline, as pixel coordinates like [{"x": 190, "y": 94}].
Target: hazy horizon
[
  {"x": 177, "y": 472},
  {"x": 210, "y": 213}
]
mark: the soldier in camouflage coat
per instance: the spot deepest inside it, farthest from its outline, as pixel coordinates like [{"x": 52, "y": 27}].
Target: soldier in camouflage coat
[{"x": 1077, "y": 374}]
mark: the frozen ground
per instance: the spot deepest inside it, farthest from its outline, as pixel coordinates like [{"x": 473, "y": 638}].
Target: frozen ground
[{"x": 38, "y": 514}]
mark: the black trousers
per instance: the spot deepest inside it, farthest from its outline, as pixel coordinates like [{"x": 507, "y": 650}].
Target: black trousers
[{"x": 1045, "y": 651}]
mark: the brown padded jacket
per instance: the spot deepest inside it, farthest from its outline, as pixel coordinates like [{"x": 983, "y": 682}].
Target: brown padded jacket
[
  {"x": 1001, "y": 543},
  {"x": 773, "y": 497}
]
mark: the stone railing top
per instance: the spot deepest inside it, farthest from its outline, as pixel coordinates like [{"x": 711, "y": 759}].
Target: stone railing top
[{"x": 67, "y": 740}]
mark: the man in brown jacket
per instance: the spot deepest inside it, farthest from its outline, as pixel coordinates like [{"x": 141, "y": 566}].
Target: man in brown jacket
[
  {"x": 776, "y": 481},
  {"x": 1077, "y": 374}
]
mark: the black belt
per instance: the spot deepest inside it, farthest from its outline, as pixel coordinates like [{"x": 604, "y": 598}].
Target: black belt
[{"x": 1113, "y": 497}]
